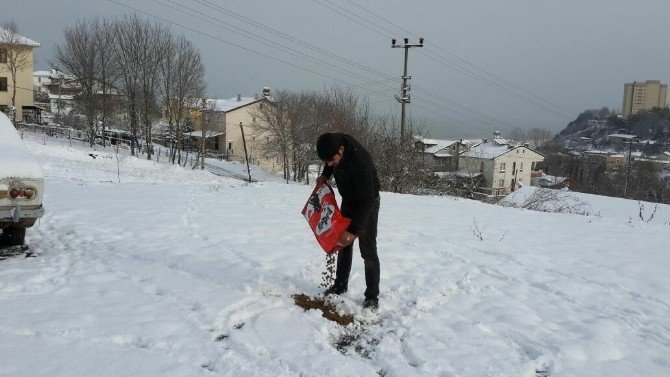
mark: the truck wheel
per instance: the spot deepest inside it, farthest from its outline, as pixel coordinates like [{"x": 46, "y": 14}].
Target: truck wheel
[{"x": 14, "y": 236}]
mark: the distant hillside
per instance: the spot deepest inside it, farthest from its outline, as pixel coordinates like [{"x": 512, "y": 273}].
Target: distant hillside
[{"x": 595, "y": 124}]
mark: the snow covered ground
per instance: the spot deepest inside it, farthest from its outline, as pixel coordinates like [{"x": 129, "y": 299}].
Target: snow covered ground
[{"x": 175, "y": 272}]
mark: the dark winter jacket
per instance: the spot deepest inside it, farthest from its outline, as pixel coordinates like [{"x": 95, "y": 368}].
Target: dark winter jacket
[{"x": 357, "y": 182}]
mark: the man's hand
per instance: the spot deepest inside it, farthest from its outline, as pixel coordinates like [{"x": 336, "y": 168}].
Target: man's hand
[
  {"x": 346, "y": 239},
  {"x": 322, "y": 180}
]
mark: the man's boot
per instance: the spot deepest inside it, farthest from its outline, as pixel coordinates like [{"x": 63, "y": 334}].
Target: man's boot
[{"x": 371, "y": 304}]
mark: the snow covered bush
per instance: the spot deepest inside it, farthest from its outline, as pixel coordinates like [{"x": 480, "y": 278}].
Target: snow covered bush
[{"x": 547, "y": 200}]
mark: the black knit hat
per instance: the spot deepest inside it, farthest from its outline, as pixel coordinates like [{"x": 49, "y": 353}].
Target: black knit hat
[{"x": 328, "y": 145}]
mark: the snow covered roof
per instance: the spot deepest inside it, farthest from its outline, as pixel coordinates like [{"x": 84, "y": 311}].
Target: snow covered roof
[
  {"x": 225, "y": 105},
  {"x": 7, "y": 37},
  {"x": 486, "y": 150},
  {"x": 471, "y": 142},
  {"x": 552, "y": 179},
  {"x": 653, "y": 160},
  {"x": 207, "y": 133},
  {"x": 500, "y": 141},
  {"x": 436, "y": 145},
  {"x": 42, "y": 73},
  {"x": 65, "y": 97},
  {"x": 595, "y": 151},
  {"x": 16, "y": 160},
  {"x": 622, "y": 136}
]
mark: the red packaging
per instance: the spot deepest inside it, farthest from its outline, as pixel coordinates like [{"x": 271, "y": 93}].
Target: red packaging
[{"x": 324, "y": 217}]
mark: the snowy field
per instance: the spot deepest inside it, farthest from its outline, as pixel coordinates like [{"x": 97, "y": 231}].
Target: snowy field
[{"x": 175, "y": 272}]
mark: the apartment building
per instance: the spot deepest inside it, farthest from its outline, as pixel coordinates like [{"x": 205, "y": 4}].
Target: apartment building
[
  {"x": 638, "y": 96},
  {"x": 16, "y": 51}
]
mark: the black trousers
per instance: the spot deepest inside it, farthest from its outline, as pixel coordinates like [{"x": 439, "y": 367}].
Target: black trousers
[{"x": 367, "y": 242}]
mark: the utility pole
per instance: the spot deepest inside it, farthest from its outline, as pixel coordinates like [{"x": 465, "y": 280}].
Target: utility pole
[
  {"x": 404, "y": 96},
  {"x": 630, "y": 149},
  {"x": 204, "y": 134},
  {"x": 246, "y": 155},
  {"x": 60, "y": 83}
]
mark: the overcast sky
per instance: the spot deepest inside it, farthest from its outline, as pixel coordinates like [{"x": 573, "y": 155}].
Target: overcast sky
[{"x": 486, "y": 64}]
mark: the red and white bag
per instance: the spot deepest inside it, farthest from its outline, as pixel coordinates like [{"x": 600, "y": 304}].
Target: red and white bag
[{"x": 324, "y": 217}]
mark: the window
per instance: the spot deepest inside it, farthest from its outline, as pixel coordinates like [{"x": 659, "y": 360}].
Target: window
[
  {"x": 481, "y": 167},
  {"x": 261, "y": 105},
  {"x": 3, "y": 55},
  {"x": 501, "y": 183},
  {"x": 230, "y": 147},
  {"x": 3, "y": 84},
  {"x": 532, "y": 166},
  {"x": 502, "y": 166},
  {"x": 521, "y": 166}
]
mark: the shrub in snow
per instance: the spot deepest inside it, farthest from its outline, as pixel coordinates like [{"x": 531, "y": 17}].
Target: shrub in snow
[{"x": 548, "y": 200}]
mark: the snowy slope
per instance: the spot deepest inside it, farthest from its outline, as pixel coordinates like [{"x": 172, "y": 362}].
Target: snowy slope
[{"x": 174, "y": 272}]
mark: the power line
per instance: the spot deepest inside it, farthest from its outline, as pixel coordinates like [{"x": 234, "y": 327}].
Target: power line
[
  {"x": 493, "y": 84},
  {"x": 461, "y": 108},
  {"x": 348, "y": 61},
  {"x": 248, "y": 49},
  {"x": 289, "y": 37},
  {"x": 525, "y": 92},
  {"x": 257, "y": 38},
  {"x": 235, "y": 44},
  {"x": 452, "y": 103}
]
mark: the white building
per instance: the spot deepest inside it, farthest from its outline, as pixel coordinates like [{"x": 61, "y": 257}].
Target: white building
[
  {"x": 501, "y": 167},
  {"x": 41, "y": 79},
  {"x": 440, "y": 155}
]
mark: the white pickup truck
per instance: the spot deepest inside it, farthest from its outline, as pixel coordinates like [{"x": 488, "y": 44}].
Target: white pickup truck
[{"x": 21, "y": 186}]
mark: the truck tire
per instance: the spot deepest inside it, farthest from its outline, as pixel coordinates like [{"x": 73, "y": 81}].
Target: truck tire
[{"x": 14, "y": 236}]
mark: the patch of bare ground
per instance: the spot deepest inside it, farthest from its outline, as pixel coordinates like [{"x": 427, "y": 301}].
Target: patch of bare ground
[
  {"x": 328, "y": 312},
  {"x": 354, "y": 338}
]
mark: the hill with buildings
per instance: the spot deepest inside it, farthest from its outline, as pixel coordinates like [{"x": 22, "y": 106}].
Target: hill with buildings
[{"x": 598, "y": 128}]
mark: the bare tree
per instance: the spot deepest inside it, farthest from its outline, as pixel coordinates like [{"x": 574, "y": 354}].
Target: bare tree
[
  {"x": 539, "y": 136},
  {"x": 78, "y": 55},
  {"x": 128, "y": 34},
  {"x": 295, "y": 120},
  {"x": 153, "y": 45},
  {"x": 105, "y": 68},
  {"x": 18, "y": 55},
  {"x": 182, "y": 81},
  {"x": 518, "y": 134}
]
